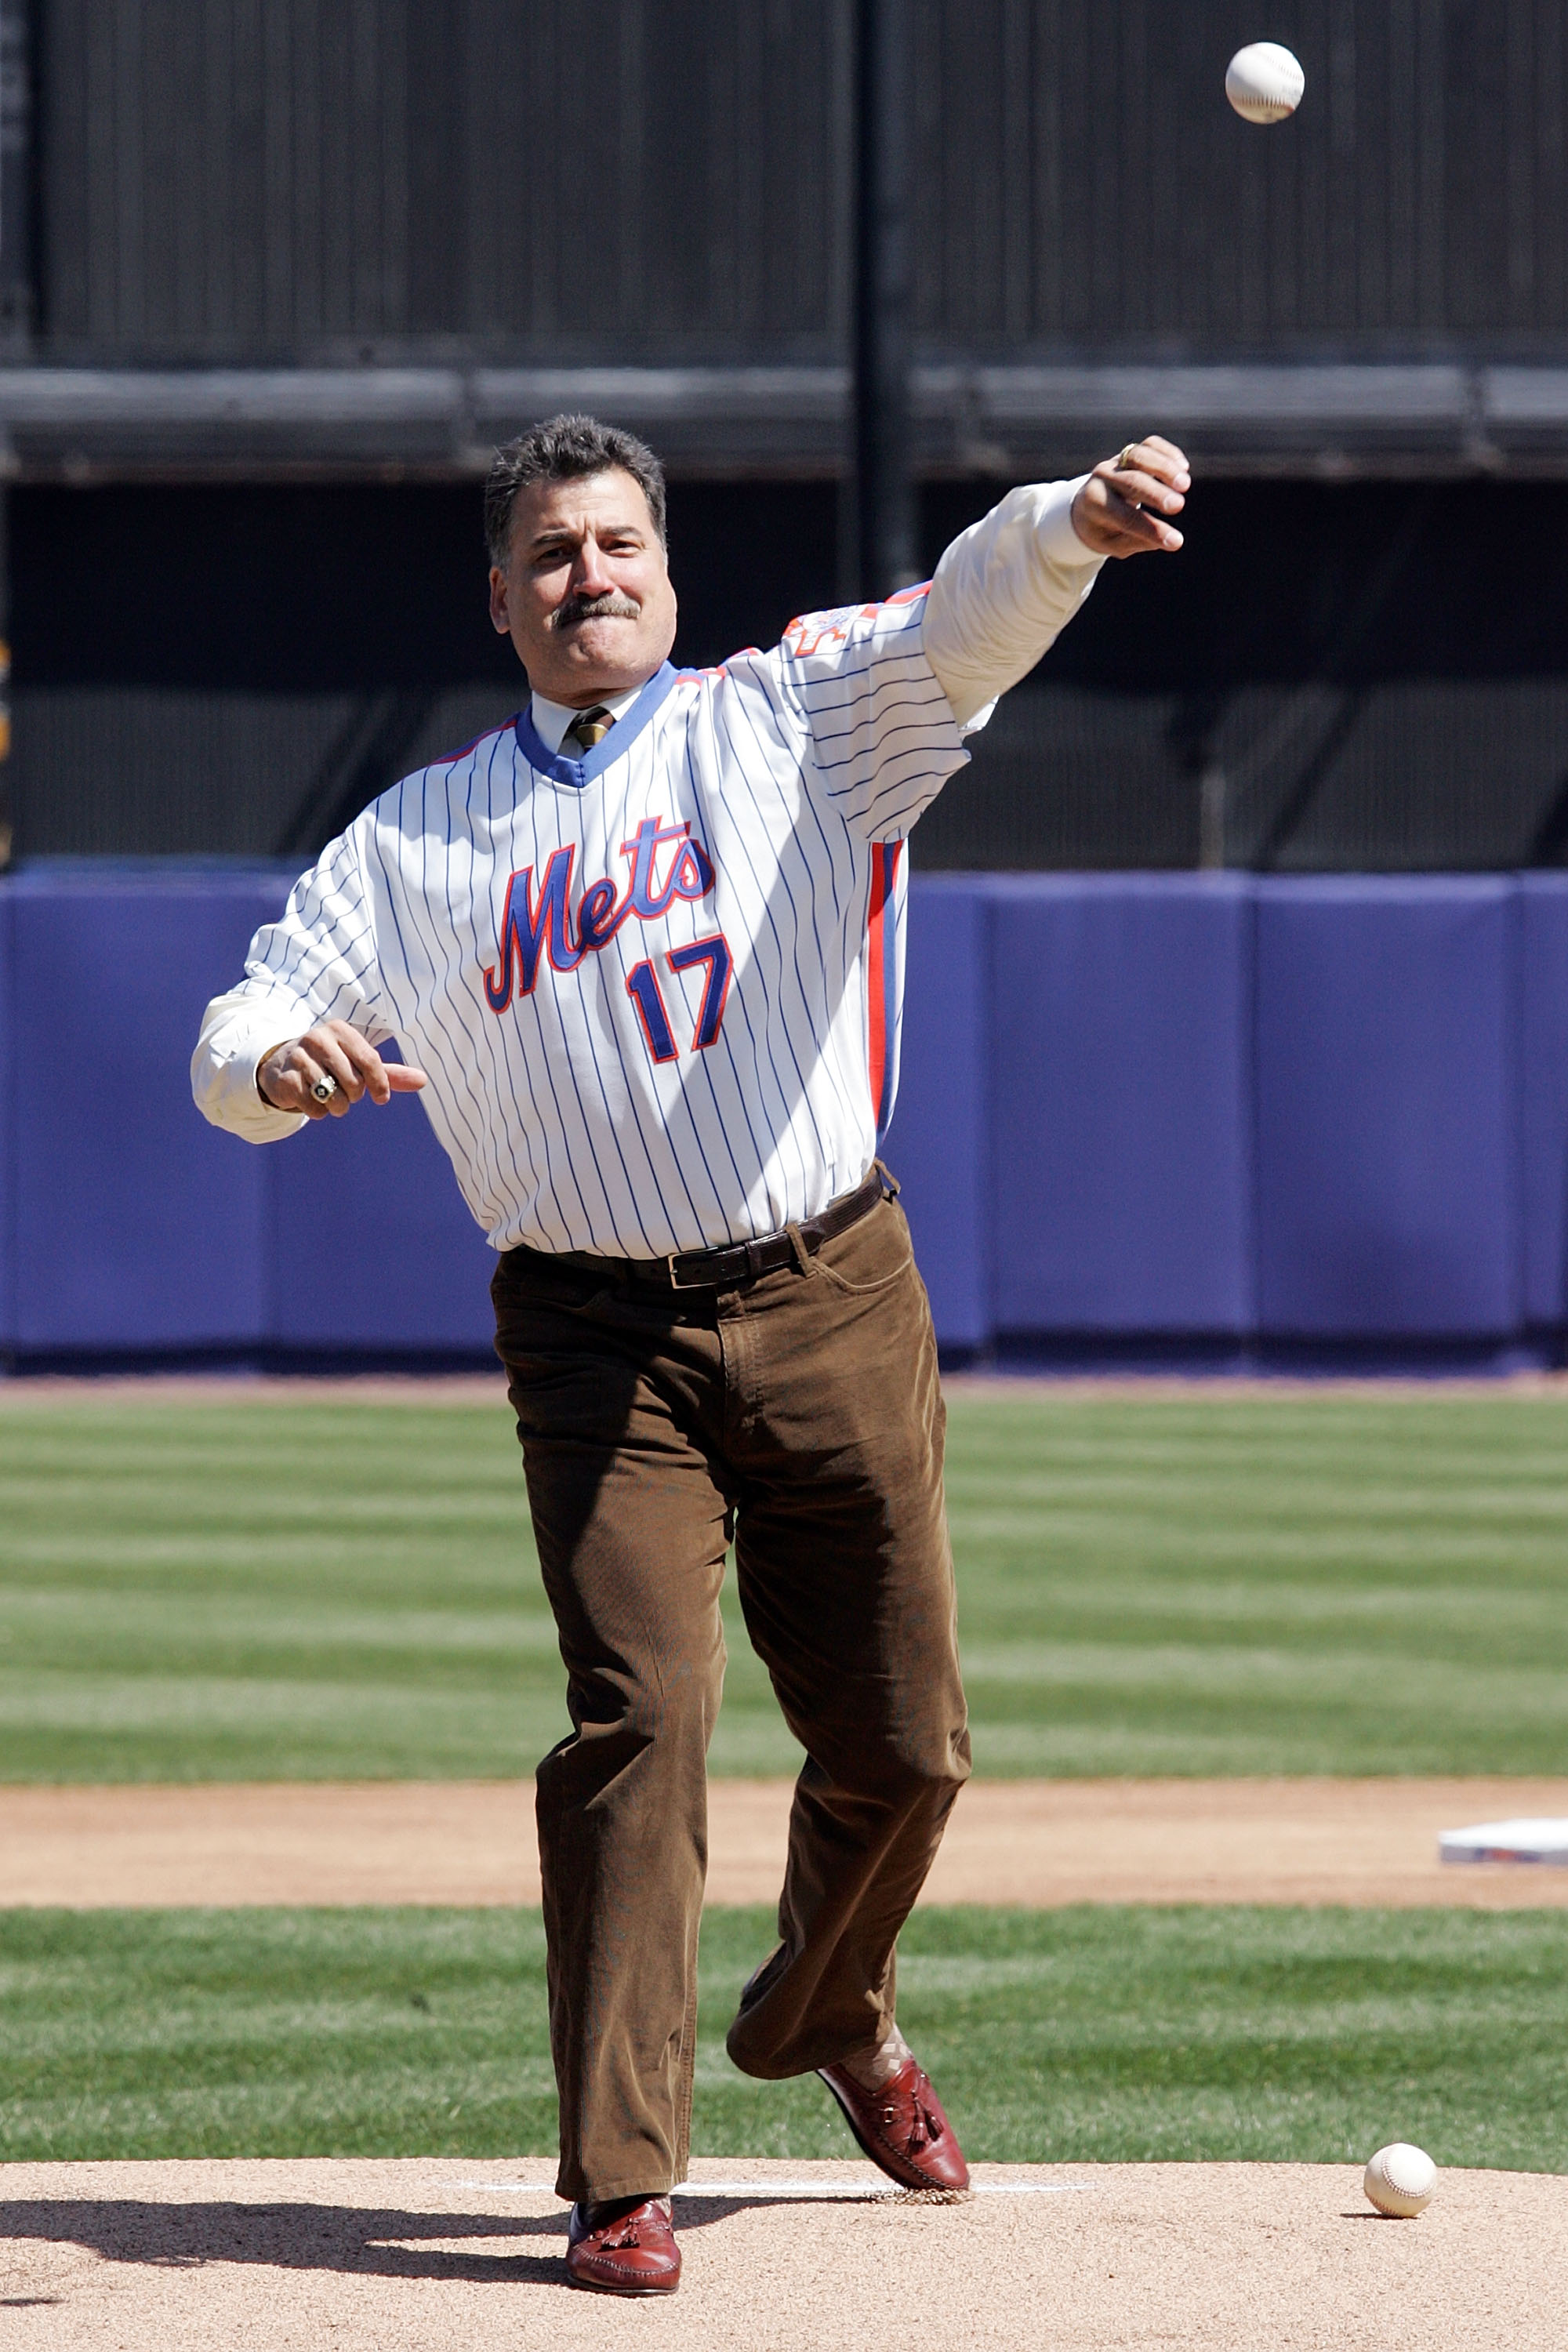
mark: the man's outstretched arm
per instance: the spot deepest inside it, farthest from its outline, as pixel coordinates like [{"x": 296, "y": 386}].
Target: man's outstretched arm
[{"x": 1007, "y": 586}]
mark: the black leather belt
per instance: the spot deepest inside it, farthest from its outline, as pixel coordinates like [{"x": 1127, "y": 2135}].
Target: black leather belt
[{"x": 737, "y": 1262}]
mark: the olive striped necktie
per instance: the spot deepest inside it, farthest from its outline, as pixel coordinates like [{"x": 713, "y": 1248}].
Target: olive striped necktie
[{"x": 589, "y": 726}]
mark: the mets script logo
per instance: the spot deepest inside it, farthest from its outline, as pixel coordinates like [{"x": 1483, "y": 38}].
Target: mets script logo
[{"x": 534, "y": 925}]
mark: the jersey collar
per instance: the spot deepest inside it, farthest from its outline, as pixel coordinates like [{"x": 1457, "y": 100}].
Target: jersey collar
[{"x": 561, "y": 769}]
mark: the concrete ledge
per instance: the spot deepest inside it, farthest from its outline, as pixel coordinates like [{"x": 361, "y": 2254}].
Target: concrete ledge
[{"x": 1368, "y": 417}]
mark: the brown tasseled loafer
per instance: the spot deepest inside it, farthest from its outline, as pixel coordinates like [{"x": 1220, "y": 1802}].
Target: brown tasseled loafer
[
  {"x": 623, "y": 2249},
  {"x": 901, "y": 2127}
]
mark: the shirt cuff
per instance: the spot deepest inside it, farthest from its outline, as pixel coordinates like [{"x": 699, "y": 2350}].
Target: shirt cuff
[
  {"x": 1054, "y": 525},
  {"x": 978, "y": 718},
  {"x": 238, "y": 1034},
  {"x": 251, "y": 1060}
]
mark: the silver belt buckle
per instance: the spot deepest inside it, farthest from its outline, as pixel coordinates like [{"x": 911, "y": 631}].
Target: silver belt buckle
[{"x": 674, "y": 1281}]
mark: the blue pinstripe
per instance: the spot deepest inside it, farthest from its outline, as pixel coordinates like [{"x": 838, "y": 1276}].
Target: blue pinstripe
[{"x": 822, "y": 960}]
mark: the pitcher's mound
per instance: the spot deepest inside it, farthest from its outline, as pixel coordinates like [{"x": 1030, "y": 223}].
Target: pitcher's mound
[{"x": 448, "y": 2256}]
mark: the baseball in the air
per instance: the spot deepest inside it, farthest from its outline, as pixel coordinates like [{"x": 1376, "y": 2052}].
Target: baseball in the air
[
  {"x": 1264, "y": 82},
  {"x": 1399, "y": 2180}
]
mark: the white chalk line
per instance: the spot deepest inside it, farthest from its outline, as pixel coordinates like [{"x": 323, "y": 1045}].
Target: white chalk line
[
  {"x": 874, "y": 2188},
  {"x": 836, "y": 2188}
]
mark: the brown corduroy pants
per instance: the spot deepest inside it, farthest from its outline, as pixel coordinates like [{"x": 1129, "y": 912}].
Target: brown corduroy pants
[{"x": 801, "y": 1411}]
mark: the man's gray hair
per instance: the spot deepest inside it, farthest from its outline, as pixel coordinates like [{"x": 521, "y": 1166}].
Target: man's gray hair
[{"x": 562, "y": 449}]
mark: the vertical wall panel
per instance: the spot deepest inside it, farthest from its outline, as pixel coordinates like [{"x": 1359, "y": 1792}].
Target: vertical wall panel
[
  {"x": 442, "y": 169},
  {"x": 1121, "y": 1147},
  {"x": 369, "y": 1244},
  {"x": 135, "y": 1224},
  {"x": 1544, "y": 1088},
  {"x": 8, "y": 1128},
  {"x": 938, "y": 1142},
  {"x": 1388, "y": 1161}
]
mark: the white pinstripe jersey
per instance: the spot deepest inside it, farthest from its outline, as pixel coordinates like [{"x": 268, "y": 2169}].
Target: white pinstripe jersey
[{"x": 657, "y": 990}]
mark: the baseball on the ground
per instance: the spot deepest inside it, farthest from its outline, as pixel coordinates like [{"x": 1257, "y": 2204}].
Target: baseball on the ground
[
  {"x": 1399, "y": 2180},
  {"x": 1264, "y": 82}
]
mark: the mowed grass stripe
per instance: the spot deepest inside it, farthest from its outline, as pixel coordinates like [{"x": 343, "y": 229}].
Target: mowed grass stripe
[
  {"x": 1061, "y": 2037},
  {"x": 1220, "y": 1584},
  {"x": 114, "y": 1625}
]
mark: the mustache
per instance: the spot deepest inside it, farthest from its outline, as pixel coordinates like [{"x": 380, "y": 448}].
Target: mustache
[{"x": 611, "y": 606}]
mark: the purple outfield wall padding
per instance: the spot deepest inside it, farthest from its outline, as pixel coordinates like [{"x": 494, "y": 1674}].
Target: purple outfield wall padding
[
  {"x": 371, "y": 1242},
  {"x": 1387, "y": 1145},
  {"x": 1120, "y": 1159},
  {"x": 936, "y": 1145},
  {"x": 136, "y": 1224},
  {"x": 1086, "y": 1065},
  {"x": 1543, "y": 1089}
]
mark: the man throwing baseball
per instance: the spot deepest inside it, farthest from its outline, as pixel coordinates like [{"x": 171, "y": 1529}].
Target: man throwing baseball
[{"x": 643, "y": 947}]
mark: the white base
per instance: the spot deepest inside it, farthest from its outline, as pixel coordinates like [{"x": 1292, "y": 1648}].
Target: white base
[{"x": 1518, "y": 1841}]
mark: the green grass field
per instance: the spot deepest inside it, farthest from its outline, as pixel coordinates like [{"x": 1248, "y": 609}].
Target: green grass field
[
  {"x": 1228, "y": 1583},
  {"x": 252, "y": 1589},
  {"x": 1068, "y": 2036}
]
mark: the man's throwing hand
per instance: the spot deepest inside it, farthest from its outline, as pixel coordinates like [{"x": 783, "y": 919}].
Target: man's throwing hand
[
  {"x": 286, "y": 1077},
  {"x": 1118, "y": 510}
]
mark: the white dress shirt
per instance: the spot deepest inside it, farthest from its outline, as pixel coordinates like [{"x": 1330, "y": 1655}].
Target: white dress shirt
[{"x": 551, "y": 720}]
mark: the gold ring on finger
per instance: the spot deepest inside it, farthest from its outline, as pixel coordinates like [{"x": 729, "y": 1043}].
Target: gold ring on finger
[
  {"x": 1128, "y": 459},
  {"x": 325, "y": 1087}
]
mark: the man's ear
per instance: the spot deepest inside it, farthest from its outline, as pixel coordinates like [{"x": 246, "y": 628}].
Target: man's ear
[{"x": 500, "y": 616}]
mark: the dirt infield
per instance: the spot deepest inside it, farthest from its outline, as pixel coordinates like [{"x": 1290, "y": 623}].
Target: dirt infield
[
  {"x": 376, "y": 2257},
  {"x": 1018, "y": 1842}
]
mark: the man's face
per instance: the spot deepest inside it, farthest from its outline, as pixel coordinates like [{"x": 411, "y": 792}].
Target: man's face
[{"x": 585, "y": 596}]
